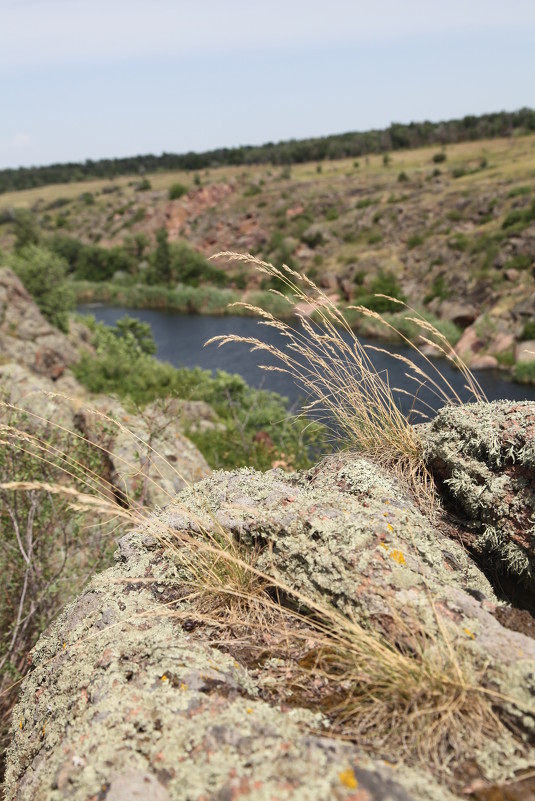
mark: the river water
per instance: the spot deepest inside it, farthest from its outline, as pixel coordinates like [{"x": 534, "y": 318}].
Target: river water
[{"x": 180, "y": 340}]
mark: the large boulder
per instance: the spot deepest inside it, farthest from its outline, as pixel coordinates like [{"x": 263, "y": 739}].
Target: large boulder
[{"x": 125, "y": 698}]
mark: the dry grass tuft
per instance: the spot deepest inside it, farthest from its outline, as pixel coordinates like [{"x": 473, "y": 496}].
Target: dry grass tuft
[{"x": 328, "y": 362}]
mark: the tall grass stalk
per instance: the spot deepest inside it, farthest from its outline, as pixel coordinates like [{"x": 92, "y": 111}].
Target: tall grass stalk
[{"x": 327, "y": 360}]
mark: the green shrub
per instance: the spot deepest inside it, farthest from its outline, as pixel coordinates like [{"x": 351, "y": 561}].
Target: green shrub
[
  {"x": 177, "y": 191},
  {"x": 520, "y": 218},
  {"x": 331, "y": 214},
  {"x": 528, "y": 331},
  {"x": 375, "y": 238},
  {"x": 459, "y": 242},
  {"x": 403, "y": 177},
  {"x": 26, "y": 228},
  {"x": 519, "y": 191},
  {"x": 366, "y": 201},
  {"x": 385, "y": 283},
  {"x": 521, "y": 262},
  {"x": 58, "y": 203},
  {"x": 439, "y": 158},
  {"x": 144, "y": 185},
  {"x": 44, "y": 275},
  {"x": 524, "y": 373},
  {"x": 138, "y": 216},
  {"x": 252, "y": 190},
  {"x": 438, "y": 290},
  {"x": 188, "y": 266},
  {"x": 414, "y": 241},
  {"x": 459, "y": 172},
  {"x": 314, "y": 239}
]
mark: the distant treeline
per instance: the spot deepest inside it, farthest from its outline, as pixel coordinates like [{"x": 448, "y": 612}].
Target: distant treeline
[{"x": 294, "y": 151}]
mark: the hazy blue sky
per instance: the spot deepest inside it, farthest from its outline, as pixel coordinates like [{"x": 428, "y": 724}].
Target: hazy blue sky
[{"x": 96, "y": 78}]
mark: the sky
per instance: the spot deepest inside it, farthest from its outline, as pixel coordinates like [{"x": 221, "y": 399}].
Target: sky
[{"x": 89, "y": 79}]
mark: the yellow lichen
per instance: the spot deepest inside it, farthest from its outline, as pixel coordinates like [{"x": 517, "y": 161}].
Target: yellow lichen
[
  {"x": 398, "y": 557},
  {"x": 348, "y": 779}
]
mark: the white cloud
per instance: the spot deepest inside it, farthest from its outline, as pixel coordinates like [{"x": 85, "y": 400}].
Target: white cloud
[{"x": 36, "y": 32}]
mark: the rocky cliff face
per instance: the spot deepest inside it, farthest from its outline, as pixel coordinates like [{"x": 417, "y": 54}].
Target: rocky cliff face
[
  {"x": 149, "y": 456},
  {"x": 160, "y": 681}
]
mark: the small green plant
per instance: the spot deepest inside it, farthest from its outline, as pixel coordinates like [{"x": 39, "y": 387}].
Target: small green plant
[
  {"x": 524, "y": 372},
  {"x": 375, "y": 238},
  {"x": 177, "y": 191},
  {"x": 144, "y": 185},
  {"x": 528, "y": 332},
  {"x": 518, "y": 219},
  {"x": 439, "y": 290},
  {"x": 439, "y": 158},
  {"x": 365, "y": 202},
  {"x": 331, "y": 214},
  {"x": 414, "y": 241},
  {"x": 252, "y": 190},
  {"x": 519, "y": 191},
  {"x": 403, "y": 177}
]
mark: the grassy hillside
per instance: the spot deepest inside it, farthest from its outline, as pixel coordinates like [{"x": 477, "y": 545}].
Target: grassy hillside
[{"x": 451, "y": 229}]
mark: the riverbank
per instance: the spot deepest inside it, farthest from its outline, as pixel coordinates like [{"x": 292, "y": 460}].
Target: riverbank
[
  {"x": 210, "y": 300},
  {"x": 180, "y": 341}
]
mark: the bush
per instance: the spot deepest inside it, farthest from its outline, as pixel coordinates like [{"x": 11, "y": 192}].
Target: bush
[
  {"x": 177, "y": 191},
  {"x": 524, "y": 373},
  {"x": 519, "y": 191},
  {"x": 520, "y": 218},
  {"x": 313, "y": 239},
  {"x": 403, "y": 177},
  {"x": 252, "y": 190},
  {"x": 438, "y": 290},
  {"x": 385, "y": 283},
  {"x": 439, "y": 158},
  {"x": 528, "y": 330},
  {"x": 414, "y": 241},
  {"x": 144, "y": 185},
  {"x": 190, "y": 267},
  {"x": 44, "y": 276},
  {"x": 366, "y": 201},
  {"x": 26, "y": 227}
]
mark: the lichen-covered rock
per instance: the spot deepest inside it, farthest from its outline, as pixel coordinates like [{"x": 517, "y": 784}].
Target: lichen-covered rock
[
  {"x": 483, "y": 457},
  {"x": 123, "y": 703},
  {"x": 124, "y": 695}
]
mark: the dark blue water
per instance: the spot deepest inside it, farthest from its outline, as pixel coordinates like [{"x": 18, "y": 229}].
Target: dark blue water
[{"x": 180, "y": 340}]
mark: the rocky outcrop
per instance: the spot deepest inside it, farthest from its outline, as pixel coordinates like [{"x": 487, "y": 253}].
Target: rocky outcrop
[
  {"x": 124, "y": 698},
  {"x": 147, "y": 457},
  {"x": 483, "y": 456},
  {"x": 25, "y": 336}
]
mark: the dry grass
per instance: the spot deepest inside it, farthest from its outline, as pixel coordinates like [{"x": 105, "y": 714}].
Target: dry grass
[{"x": 328, "y": 362}]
